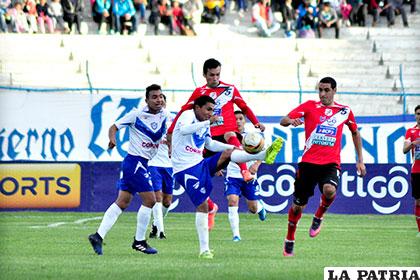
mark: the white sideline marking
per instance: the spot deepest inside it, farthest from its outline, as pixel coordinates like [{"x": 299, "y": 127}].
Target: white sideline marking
[{"x": 80, "y": 221}]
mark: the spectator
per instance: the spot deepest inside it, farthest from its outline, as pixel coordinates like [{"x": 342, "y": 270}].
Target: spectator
[
  {"x": 161, "y": 13},
  {"x": 42, "y": 8},
  {"x": 192, "y": 13},
  {"x": 289, "y": 17},
  {"x": 356, "y": 15},
  {"x": 125, "y": 16},
  {"x": 102, "y": 15},
  {"x": 4, "y": 5},
  {"x": 307, "y": 19},
  {"x": 213, "y": 11},
  {"x": 140, "y": 6},
  {"x": 242, "y": 6},
  {"x": 18, "y": 18},
  {"x": 345, "y": 9},
  {"x": 72, "y": 13},
  {"x": 29, "y": 7},
  {"x": 328, "y": 18},
  {"x": 178, "y": 18},
  {"x": 391, "y": 7},
  {"x": 56, "y": 12},
  {"x": 371, "y": 7},
  {"x": 263, "y": 18}
]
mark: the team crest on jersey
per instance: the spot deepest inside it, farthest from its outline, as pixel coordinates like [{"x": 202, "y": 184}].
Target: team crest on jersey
[
  {"x": 328, "y": 112},
  {"x": 322, "y": 118},
  {"x": 213, "y": 95},
  {"x": 331, "y": 121},
  {"x": 154, "y": 125}
]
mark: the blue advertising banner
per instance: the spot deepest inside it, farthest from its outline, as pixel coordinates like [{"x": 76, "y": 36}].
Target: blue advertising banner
[{"x": 91, "y": 186}]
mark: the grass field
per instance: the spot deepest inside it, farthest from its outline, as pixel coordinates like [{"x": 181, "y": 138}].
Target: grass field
[{"x": 30, "y": 249}]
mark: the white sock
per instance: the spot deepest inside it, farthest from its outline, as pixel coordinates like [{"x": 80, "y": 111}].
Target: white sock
[
  {"x": 143, "y": 219},
  {"x": 259, "y": 206},
  {"x": 110, "y": 217},
  {"x": 158, "y": 217},
  {"x": 234, "y": 220},
  {"x": 242, "y": 156},
  {"x": 202, "y": 226},
  {"x": 165, "y": 211}
]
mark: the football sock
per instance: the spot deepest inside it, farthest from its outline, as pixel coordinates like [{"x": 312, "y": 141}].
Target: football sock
[
  {"x": 143, "y": 218},
  {"x": 165, "y": 211},
  {"x": 158, "y": 216},
  {"x": 201, "y": 224},
  {"x": 417, "y": 213},
  {"x": 259, "y": 206},
  {"x": 110, "y": 217},
  {"x": 323, "y": 206},
  {"x": 233, "y": 140},
  {"x": 234, "y": 219},
  {"x": 292, "y": 225},
  {"x": 211, "y": 204}
]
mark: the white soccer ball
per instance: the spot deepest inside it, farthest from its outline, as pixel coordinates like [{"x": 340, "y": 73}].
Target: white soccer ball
[{"x": 253, "y": 142}]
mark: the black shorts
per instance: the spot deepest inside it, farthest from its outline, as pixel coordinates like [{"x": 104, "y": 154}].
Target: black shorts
[
  {"x": 220, "y": 138},
  {"x": 309, "y": 175},
  {"x": 415, "y": 185}
]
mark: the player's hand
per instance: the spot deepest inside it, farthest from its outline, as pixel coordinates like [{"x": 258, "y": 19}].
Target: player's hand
[
  {"x": 361, "y": 169},
  {"x": 260, "y": 126},
  {"x": 415, "y": 142},
  {"x": 253, "y": 168},
  {"x": 111, "y": 144},
  {"x": 296, "y": 122}
]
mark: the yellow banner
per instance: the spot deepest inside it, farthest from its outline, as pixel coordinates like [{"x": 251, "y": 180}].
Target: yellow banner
[{"x": 38, "y": 185}]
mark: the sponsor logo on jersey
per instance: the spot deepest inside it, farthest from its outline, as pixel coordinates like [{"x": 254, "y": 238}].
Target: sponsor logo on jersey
[
  {"x": 328, "y": 112},
  {"x": 326, "y": 130}
]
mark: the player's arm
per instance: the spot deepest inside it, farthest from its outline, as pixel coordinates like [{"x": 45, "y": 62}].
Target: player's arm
[
  {"x": 239, "y": 101},
  {"x": 408, "y": 145},
  {"x": 295, "y": 116},
  {"x": 254, "y": 167},
  {"x": 190, "y": 128},
  {"x": 286, "y": 121},
  {"x": 357, "y": 140},
  {"x": 217, "y": 146},
  {"x": 112, "y": 132},
  {"x": 187, "y": 106}
]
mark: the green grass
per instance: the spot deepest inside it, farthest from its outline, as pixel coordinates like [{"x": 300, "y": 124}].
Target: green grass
[{"x": 63, "y": 252}]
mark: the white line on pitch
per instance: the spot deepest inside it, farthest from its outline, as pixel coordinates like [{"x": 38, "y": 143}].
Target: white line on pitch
[{"x": 80, "y": 221}]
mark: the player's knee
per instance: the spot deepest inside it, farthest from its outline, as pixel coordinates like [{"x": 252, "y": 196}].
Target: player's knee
[
  {"x": 253, "y": 209},
  {"x": 329, "y": 191}
]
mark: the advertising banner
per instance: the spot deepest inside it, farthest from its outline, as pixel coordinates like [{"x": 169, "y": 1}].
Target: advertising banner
[{"x": 86, "y": 186}]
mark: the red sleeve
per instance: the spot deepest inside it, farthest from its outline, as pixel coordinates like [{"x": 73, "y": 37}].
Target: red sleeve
[
  {"x": 186, "y": 106},
  {"x": 351, "y": 122},
  {"x": 299, "y": 111},
  {"x": 408, "y": 134},
  {"x": 239, "y": 101}
]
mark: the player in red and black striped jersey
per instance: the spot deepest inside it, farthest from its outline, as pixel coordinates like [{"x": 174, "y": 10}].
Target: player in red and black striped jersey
[
  {"x": 412, "y": 143},
  {"x": 320, "y": 165}
]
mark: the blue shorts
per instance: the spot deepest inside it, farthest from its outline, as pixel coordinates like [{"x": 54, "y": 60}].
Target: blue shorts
[
  {"x": 239, "y": 187},
  {"x": 196, "y": 180},
  {"x": 135, "y": 177},
  {"x": 162, "y": 179}
]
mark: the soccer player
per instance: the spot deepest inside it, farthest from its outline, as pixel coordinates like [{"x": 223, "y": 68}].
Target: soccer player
[
  {"x": 235, "y": 186},
  {"x": 412, "y": 143},
  {"x": 225, "y": 96},
  {"x": 160, "y": 168},
  {"x": 193, "y": 172},
  {"x": 320, "y": 163},
  {"x": 147, "y": 126}
]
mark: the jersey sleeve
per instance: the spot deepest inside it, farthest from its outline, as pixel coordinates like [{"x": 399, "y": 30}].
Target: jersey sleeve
[
  {"x": 240, "y": 102},
  {"x": 127, "y": 119},
  {"x": 351, "y": 122},
  {"x": 185, "y": 107},
  {"x": 299, "y": 111},
  {"x": 408, "y": 135}
]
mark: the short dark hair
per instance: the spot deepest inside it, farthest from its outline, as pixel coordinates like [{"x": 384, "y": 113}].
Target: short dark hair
[
  {"x": 203, "y": 100},
  {"x": 210, "y": 63},
  {"x": 329, "y": 80},
  {"x": 417, "y": 107},
  {"x": 164, "y": 97},
  {"x": 150, "y": 88},
  {"x": 237, "y": 112}
]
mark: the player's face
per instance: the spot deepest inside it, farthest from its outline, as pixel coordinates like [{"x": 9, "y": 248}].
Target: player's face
[
  {"x": 326, "y": 94},
  {"x": 204, "y": 113},
  {"x": 155, "y": 101},
  {"x": 417, "y": 114},
  {"x": 212, "y": 77},
  {"x": 240, "y": 122}
]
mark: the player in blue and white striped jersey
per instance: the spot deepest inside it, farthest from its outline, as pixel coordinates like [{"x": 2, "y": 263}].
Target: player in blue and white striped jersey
[{"x": 147, "y": 127}]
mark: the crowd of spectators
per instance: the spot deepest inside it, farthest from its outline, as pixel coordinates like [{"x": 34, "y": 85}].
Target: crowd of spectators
[{"x": 297, "y": 18}]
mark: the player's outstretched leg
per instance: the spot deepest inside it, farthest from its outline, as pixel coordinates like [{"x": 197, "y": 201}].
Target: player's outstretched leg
[
  {"x": 96, "y": 242},
  {"x": 273, "y": 150}
]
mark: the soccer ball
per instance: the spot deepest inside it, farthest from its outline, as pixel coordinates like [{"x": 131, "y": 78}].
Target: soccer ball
[{"x": 253, "y": 142}]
